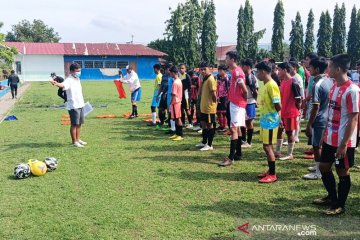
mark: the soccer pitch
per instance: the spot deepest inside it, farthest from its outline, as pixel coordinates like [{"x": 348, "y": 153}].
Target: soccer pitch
[{"x": 132, "y": 182}]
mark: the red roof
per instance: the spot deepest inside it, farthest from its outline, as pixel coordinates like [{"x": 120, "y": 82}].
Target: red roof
[
  {"x": 37, "y": 48},
  {"x": 84, "y": 49},
  {"x": 221, "y": 51}
]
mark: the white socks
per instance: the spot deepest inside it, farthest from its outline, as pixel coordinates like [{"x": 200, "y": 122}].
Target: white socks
[
  {"x": 290, "y": 148},
  {"x": 153, "y": 117},
  {"x": 172, "y": 124},
  {"x": 279, "y": 143}
]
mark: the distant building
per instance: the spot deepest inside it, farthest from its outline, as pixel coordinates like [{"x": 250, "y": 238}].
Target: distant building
[
  {"x": 98, "y": 61},
  {"x": 221, "y": 53},
  {"x": 222, "y": 50}
]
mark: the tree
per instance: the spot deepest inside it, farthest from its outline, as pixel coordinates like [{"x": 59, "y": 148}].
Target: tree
[
  {"x": 193, "y": 21},
  {"x": 37, "y": 31},
  {"x": 7, "y": 54},
  {"x": 297, "y": 38},
  {"x": 339, "y": 30},
  {"x": 209, "y": 36},
  {"x": 247, "y": 42},
  {"x": 163, "y": 45},
  {"x": 277, "y": 38},
  {"x": 353, "y": 40},
  {"x": 309, "y": 35},
  {"x": 324, "y": 35},
  {"x": 240, "y": 43},
  {"x": 174, "y": 33}
]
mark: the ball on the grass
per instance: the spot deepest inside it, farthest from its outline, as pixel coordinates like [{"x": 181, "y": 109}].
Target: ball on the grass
[
  {"x": 21, "y": 171},
  {"x": 51, "y": 164},
  {"x": 37, "y": 168}
]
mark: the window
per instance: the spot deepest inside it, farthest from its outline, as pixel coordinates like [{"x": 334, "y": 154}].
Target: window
[
  {"x": 121, "y": 64},
  {"x": 80, "y": 63},
  {"x": 98, "y": 64},
  {"x": 18, "y": 67},
  {"x": 110, "y": 64},
  {"x": 89, "y": 64}
]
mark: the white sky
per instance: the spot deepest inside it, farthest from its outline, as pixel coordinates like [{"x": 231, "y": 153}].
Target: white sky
[{"x": 117, "y": 20}]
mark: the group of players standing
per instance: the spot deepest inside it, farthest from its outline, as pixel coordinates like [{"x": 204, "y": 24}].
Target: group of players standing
[{"x": 331, "y": 100}]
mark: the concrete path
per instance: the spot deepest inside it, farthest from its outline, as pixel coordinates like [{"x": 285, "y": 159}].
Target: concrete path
[{"x": 7, "y": 103}]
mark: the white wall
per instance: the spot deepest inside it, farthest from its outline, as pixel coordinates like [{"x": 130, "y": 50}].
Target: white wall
[{"x": 39, "y": 67}]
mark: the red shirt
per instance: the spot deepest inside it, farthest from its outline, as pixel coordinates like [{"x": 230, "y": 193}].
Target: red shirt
[
  {"x": 235, "y": 92},
  {"x": 177, "y": 91},
  {"x": 289, "y": 90}
]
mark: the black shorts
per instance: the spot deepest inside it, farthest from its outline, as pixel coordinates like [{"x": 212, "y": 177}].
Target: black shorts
[
  {"x": 163, "y": 102},
  {"x": 77, "y": 116},
  {"x": 208, "y": 118},
  {"x": 328, "y": 156},
  {"x": 222, "y": 104},
  {"x": 185, "y": 104}
]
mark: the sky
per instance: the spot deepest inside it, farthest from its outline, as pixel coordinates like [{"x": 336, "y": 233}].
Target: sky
[{"x": 117, "y": 20}]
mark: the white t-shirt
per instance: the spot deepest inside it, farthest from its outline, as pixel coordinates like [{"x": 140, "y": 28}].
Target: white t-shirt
[
  {"x": 300, "y": 82},
  {"x": 73, "y": 89},
  {"x": 133, "y": 80},
  {"x": 355, "y": 77}
]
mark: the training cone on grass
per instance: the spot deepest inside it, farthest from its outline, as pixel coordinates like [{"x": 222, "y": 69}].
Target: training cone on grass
[{"x": 106, "y": 116}]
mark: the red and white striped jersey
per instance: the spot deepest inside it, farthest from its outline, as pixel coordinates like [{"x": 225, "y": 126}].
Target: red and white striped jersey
[{"x": 343, "y": 100}]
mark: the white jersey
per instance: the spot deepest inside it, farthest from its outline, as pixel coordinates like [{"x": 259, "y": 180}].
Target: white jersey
[
  {"x": 343, "y": 100},
  {"x": 75, "y": 99},
  {"x": 133, "y": 80}
]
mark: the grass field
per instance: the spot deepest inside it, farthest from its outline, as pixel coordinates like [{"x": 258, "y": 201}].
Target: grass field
[{"x": 131, "y": 182}]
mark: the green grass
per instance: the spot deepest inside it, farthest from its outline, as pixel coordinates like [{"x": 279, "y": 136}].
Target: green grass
[{"x": 131, "y": 182}]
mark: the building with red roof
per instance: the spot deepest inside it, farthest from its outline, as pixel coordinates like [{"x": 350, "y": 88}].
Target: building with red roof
[{"x": 99, "y": 61}]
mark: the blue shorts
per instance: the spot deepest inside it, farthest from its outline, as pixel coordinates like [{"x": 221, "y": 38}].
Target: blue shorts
[
  {"x": 136, "y": 95},
  {"x": 154, "y": 103},
  {"x": 316, "y": 137},
  {"x": 250, "y": 111}
]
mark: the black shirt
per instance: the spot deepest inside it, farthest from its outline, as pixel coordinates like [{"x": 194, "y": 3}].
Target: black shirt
[
  {"x": 58, "y": 79},
  {"x": 13, "y": 79}
]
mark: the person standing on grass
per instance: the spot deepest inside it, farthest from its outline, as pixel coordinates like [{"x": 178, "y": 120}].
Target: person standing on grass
[
  {"x": 294, "y": 73},
  {"x": 269, "y": 118},
  {"x": 208, "y": 105},
  {"x": 318, "y": 116},
  {"x": 222, "y": 94},
  {"x": 238, "y": 95},
  {"x": 340, "y": 136},
  {"x": 185, "y": 105},
  {"x": 290, "y": 102},
  {"x": 252, "y": 89},
  {"x": 135, "y": 88},
  {"x": 195, "y": 86},
  {"x": 75, "y": 103},
  {"x": 175, "y": 104},
  {"x": 306, "y": 106},
  {"x": 155, "y": 102},
  {"x": 13, "y": 82},
  {"x": 172, "y": 130}
]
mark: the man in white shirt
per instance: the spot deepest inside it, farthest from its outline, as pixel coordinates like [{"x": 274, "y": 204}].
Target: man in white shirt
[
  {"x": 355, "y": 76},
  {"x": 75, "y": 102},
  {"x": 135, "y": 88}
]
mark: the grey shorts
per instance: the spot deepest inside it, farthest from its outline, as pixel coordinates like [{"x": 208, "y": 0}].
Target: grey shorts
[
  {"x": 76, "y": 116},
  {"x": 317, "y": 135}
]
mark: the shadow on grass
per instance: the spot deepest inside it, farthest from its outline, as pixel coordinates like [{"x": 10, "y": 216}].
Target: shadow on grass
[
  {"x": 35, "y": 145},
  {"x": 227, "y": 176}
]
